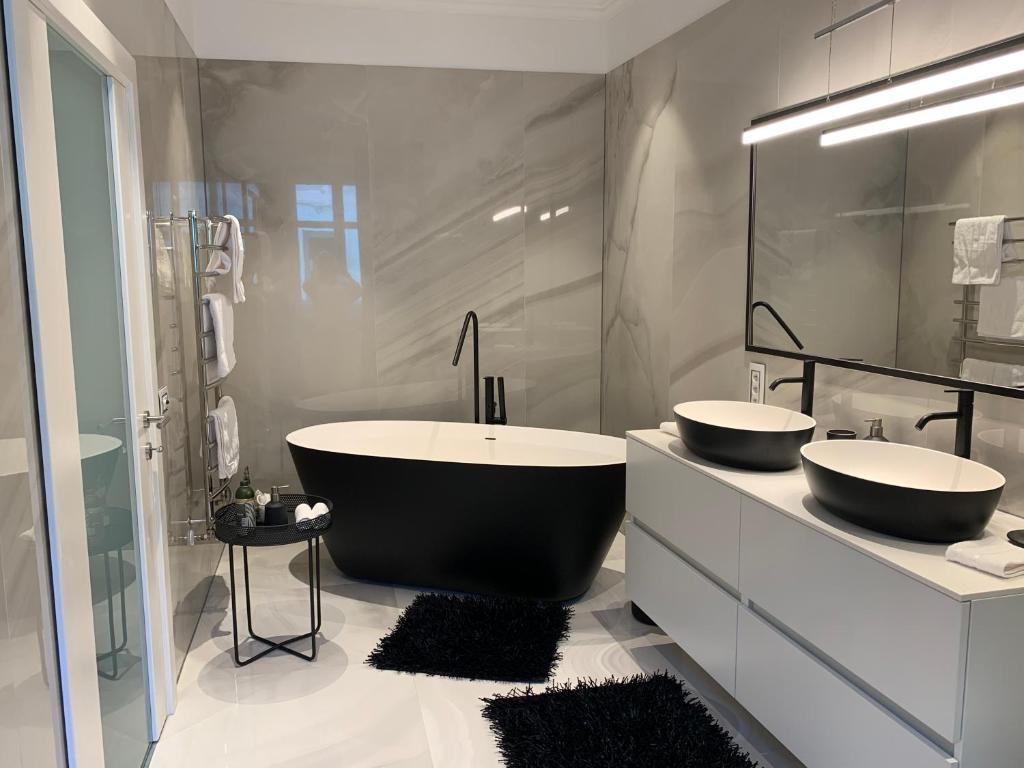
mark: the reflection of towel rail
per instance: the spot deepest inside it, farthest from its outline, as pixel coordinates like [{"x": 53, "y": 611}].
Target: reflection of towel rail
[
  {"x": 989, "y": 342},
  {"x": 970, "y": 299}
]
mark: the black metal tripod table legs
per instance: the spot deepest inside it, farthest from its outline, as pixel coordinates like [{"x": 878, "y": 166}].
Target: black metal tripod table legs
[{"x": 315, "y": 614}]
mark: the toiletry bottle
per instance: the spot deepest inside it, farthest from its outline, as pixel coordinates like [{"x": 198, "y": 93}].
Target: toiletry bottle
[
  {"x": 275, "y": 513},
  {"x": 245, "y": 496},
  {"x": 875, "y": 432}
]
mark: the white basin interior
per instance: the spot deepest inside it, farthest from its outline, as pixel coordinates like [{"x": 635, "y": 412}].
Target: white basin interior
[
  {"x": 735, "y": 414},
  {"x": 903, "y": 466}
]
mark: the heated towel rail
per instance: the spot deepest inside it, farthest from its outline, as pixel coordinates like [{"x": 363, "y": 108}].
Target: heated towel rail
[{"x": 215, "y": 492}]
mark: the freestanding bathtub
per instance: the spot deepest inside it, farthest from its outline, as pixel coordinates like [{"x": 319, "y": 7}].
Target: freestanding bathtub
[{"x": 468, "y": 507}]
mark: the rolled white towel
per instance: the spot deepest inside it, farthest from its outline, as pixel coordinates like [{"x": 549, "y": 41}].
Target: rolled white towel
[
  {"x": 670, "y": 428},
  {"x": 319, "y": 509},
  {"x": 992, "y": 554},
  {"x": 303, "y": 512}
]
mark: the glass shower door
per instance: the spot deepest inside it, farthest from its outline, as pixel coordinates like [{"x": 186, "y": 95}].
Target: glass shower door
[
  {"x": 85, "y": 165},
  {"x": 89, "y": 298}
]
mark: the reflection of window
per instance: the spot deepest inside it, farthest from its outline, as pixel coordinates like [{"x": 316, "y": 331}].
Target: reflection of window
[{"x": 324, "y": 258}]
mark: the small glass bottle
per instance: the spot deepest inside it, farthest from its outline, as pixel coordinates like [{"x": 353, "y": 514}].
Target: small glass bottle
[{"x": 245, "y": 496}]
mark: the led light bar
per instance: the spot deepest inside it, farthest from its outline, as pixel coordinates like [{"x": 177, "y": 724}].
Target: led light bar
[
  {"x": 957, "y": 77},
  {"x": 968, "y": 106}
]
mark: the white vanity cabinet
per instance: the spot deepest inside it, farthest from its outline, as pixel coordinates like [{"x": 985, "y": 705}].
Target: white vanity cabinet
[{"x": 853, "y": 648}]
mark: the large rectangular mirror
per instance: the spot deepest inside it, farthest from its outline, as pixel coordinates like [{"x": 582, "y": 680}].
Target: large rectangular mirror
[{"x": 852, "y": 250}]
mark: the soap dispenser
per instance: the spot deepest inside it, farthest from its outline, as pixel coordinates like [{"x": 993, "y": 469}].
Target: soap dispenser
[
  {"x": 875, "y": 431},
  {"x": 275, "y": 512}
]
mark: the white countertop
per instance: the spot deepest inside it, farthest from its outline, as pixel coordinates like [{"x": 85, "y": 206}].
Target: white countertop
[{"x": 788, "y": 493}]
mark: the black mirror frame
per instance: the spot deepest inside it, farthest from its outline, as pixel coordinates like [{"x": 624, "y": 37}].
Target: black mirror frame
[{"x": 857, "y": 365}]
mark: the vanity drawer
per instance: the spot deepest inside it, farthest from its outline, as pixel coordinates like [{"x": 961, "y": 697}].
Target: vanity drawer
[
  {"x": 694, "y": 611},
  {"x": 695, "y": 514},
  {"x": 821, "y": 718},
  {"x": 901, "y": 638}
]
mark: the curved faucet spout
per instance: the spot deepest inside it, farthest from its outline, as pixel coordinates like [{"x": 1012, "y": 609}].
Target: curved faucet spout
[{"x": 471, "y": 317}]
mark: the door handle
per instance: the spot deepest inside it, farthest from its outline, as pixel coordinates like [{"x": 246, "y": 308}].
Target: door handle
[{"x": 148, "y": 420}]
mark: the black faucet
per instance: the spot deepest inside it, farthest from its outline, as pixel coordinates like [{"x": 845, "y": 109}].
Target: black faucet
[
  {"x": 471, "y": 316},
  {"x": 964, "y": 415},
  {"x": 495, "y": 410},
  {"x": 778, "y": 319},
  {"x": 806, "y": 390}
]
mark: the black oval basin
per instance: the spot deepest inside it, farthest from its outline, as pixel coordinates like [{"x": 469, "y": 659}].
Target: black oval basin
[
  {"x": 744, "y": 435},
  {"x": 902, "y": 490}
]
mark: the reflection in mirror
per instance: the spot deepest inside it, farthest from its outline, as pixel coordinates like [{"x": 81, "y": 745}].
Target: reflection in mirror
[{"x": 853, "y": 246}]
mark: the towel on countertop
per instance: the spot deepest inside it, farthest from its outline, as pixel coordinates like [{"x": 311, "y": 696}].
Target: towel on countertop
[
  {"x": 978, "y": 250},
  {"x": 989, "y": 372},
  {"x": 225, "y": 429},
  {"x": 222, "y": 322},
  {"x": 992, "y": 554},
  {"x": 669, "y": 428},
  {"x": 1001, "y": 307},
  {"x": 231, "y": 260}
]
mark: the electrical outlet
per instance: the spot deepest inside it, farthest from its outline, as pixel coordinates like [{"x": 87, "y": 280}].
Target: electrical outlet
[{"x": 756, "y": 383}]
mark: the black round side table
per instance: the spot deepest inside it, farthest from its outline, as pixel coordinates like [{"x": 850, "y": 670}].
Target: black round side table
[{"x": 230, "y": 528}]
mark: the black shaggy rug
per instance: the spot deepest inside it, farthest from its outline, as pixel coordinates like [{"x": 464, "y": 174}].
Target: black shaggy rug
[
  {"x": 647, "y": 721},
  {"x": 479, "y": 638}
]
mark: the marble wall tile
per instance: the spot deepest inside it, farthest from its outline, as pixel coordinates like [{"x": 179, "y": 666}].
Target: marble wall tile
[
  {"x": 370, "y": 195},
  {"x": 683, "y": 104},
  {"x": 287, "y": 151},
  {"x": 861, "y": 51},
  {"x": 728, "y": 72},
  {"x": 172, "y": 148},
  {"x": 447, "y": 151},
  {"x": 564, "y": 159},
  {"x": 640, "y": 189}
]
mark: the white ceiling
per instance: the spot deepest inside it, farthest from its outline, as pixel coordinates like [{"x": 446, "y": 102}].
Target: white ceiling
[{"x": 529, "y": 35}]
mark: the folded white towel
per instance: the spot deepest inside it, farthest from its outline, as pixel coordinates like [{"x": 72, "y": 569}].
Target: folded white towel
[
  {"x": 989, "y": 372},
  {"x": 222, "y": 320},
  {"x": 1001, "y": 307},
  {"x": 225, "y": 428},
  {"x": 992, "y": 554},
  {"x": 978, "y": 250},
  {"x": 669, "y": 428},
  {"x": 229, "y": 235},
  {"x": 305, "y": 512}
]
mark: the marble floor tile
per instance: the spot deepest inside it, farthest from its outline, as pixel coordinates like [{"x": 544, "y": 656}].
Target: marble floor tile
[{"x": 338, "y": 711}]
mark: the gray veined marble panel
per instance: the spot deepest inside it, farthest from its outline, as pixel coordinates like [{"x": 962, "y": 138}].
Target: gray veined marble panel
[
  {"x": 287, "y": 152},
  {"x": 563, "y": 263},
  {"x": 639, "y": 211},
  {"x": 446, "y": 156},
  {"x": 728, "y": 73}
]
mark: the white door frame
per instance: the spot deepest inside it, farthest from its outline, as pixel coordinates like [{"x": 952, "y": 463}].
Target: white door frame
[{"x": 35, "y": 143}]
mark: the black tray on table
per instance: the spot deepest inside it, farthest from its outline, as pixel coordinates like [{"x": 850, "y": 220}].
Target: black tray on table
[{"x": 228, "y": 528}]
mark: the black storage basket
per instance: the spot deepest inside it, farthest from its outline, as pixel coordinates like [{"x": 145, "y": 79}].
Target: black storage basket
[{"x": 228, "y": 527}]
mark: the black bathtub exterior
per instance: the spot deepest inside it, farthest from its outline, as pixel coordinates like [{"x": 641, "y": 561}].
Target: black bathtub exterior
[{"x": 540, "y": 532}]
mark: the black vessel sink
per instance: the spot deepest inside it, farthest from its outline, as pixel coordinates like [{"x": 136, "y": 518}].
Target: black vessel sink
[
  {"x": 745, "y": 435},
  {"x": 902, "y": 490}
]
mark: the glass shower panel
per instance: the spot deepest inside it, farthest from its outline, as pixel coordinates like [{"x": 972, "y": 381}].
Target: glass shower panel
[{"x": 81, "y": 107}]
